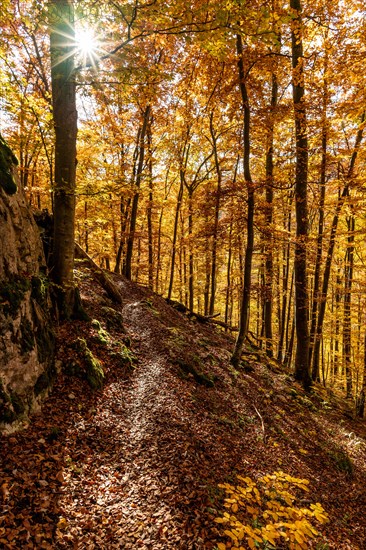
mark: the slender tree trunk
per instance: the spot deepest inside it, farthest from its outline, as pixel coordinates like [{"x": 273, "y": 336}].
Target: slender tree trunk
[
  {"x": 337, "y": 325},
  {"x": 289, "y": 339},
  {"x": 319, "y": 246},
  {"x": 268, "y": 273},
  {"x": 86, "y": 228},
  {"x": 175, "y": 235},
  {"x": 301, "y": 181},
  {"x": 244, "y": 309},
  {"x": 216, "y": 217},
  {"x": 206, "y": 291},
  {"x": 228, "y": 275},
  {"x": 158, "y": 253},
  {"x": 190, "y": 250},
  {"x": 150, "y": 210},
  {"x": 347, "y": 322},
  {"x": 135, "y": 200},
  {"x": 65, "y": 121},
  {"x": 285, "y": 290}
]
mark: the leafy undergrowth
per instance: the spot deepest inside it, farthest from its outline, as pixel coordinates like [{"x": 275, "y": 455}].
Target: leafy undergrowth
[{"x": 137, "y": 463}]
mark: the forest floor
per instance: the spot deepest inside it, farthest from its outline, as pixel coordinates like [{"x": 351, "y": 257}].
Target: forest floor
[{"x": 137, "y": 463}]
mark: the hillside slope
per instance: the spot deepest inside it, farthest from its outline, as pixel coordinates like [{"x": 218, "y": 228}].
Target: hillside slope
[{"x": 136, "y": 463}]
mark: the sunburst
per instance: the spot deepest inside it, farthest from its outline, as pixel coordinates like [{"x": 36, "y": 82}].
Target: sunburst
[{"x": 87, "y": 46}]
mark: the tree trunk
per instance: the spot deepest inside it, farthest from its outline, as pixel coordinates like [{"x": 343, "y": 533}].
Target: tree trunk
[
  {"x": 65, "y": 122},
  {"x": 190, "y": 250},
  {"x": 216, "y": 218},
  {"x": 301, "y": 181},
  {"x": 319, "y": 244},
  {"x": 175, "y": 235},
  {"x": 135, "y": 200},
  {"x": 268, "y": 273},
  {"x": 285, "y": 290},
  {"x": 244, "y": 309},
  {"x": 150, "y": 211},
  {"x": 347, "y": 322}
]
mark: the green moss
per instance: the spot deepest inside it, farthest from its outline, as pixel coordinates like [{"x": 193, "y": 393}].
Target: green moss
[
  {"x": 12, "y": 294},
  {"x": 7, "y": 161},
  {"x": 93, "y": 369},
  {"x": 103, "y": 336},
  {"x": 40, "y": 288},
  {"x": 123, "y": 357}
]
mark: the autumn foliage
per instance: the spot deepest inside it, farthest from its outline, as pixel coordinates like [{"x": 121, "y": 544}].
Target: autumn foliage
[{"x": 265, "y": 513}]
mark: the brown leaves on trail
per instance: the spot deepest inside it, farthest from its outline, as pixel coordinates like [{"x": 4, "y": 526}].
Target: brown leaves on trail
[{"x": 137, "y": 464}]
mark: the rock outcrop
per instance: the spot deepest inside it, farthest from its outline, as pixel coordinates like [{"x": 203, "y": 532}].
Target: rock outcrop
[{"x": 26, "y": 336}]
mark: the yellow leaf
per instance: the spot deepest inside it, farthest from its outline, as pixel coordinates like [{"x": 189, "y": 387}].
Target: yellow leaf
[
  {"x": 62, "y": 523},
  {"x": 303, "y": 451},
  {"x": 298, "y": 537},
  {"x": 231, "y": 535},
  {"x": 235, "y": 507},
  {"x": 251, "y": 543},
  {"x": 221, "y": 546}
]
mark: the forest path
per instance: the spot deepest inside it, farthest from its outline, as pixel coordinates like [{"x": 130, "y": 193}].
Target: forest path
[{"x": 148, "y": 452}]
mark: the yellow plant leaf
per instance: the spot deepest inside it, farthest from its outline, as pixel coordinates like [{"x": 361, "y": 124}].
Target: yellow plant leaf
[
  {"x": 62, "y": 523},
  {"x": 251, "y": 543},
  {"x": 298, "y": 537},
  {"x": 231, "y": 535},
  {"x": 221, "y": 546},
  {"x": 235, "y": 507}
]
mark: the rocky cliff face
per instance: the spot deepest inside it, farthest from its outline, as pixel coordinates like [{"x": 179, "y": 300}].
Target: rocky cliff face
[{"x": 26, "y": 338}]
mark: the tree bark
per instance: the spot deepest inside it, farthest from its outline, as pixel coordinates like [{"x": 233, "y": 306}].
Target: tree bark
[
  {"x": 319, "y": 244},
  {"x": 216, "y": 217},
  {"x": 244, "y": 309},
  {"x": 65, "y": 122},
  {"x": 135, "y": 200},
  {"x": 268, "y": 273},
  {"x": 301, "y": 181},
  {"x": 347, "y": 322}
]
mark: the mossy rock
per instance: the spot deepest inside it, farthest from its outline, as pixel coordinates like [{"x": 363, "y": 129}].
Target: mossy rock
[
  {"x": 7, "y": 161},
  {"x": 200, "y": 377},
  {"x": 123, "y": 356},
  {"x": 103, "y": 337},
  {"x": 93, "y": 370},
  {"x": 114, "y": 319}
]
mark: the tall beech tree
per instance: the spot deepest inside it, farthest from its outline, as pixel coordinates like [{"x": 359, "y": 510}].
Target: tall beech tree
[
  {"x": 61, "y": 20},
  {"x": 245, "y": 302},
  {"x": 302, "y": 372}
]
